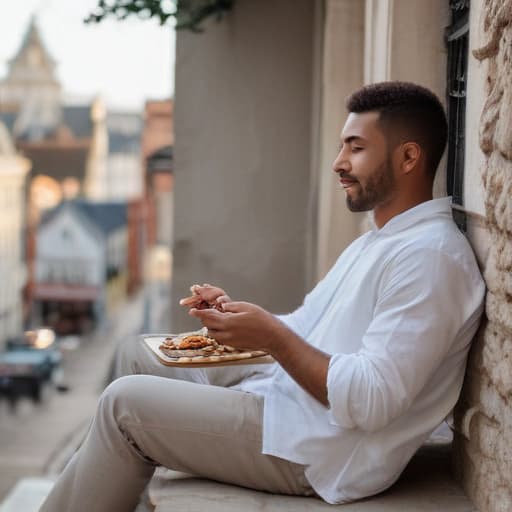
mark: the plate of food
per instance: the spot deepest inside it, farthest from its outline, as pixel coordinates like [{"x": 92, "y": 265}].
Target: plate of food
[{"x": 198, "y": 349}]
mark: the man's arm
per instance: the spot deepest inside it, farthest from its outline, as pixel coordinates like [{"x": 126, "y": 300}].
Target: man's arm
[{"x": 245, "y": 325}]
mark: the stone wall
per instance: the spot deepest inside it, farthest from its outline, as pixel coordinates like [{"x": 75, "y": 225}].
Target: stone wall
[{"x": 484, "y": 414}]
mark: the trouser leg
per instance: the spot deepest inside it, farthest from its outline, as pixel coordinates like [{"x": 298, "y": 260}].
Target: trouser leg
[{"x": 143, "y": 421}]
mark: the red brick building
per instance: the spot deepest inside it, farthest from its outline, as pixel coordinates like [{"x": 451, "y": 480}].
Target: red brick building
[{"x": 150, "y": 218}]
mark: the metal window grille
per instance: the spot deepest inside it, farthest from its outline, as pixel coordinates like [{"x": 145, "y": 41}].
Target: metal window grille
[{"x": 457, "y": 41}]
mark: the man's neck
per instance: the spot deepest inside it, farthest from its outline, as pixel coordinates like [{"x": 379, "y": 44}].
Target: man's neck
[{"x": 384, "y": 213}]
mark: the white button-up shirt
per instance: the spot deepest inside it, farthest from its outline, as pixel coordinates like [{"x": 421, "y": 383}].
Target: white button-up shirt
[{"x": 397, "y": 312}]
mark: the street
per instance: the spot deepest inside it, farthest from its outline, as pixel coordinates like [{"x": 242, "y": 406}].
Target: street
[{"x": 37, "y": 439}]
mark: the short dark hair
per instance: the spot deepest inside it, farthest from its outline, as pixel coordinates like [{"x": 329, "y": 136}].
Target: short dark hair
[{"x": 406, "y": 109}]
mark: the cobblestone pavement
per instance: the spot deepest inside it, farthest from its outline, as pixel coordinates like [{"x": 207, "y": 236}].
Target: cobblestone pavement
[{"x": 34, "y": 437}]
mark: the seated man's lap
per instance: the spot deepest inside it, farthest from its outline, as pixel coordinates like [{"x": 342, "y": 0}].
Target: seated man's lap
[{"x": 204, "y": 430}]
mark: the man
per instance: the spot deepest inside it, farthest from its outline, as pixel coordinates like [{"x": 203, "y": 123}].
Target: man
[{"x": 365, "y": 369}]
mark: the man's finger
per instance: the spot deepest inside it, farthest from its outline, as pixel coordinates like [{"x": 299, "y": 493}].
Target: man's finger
[
  {"x": 236, "y": 307},
  {"x": 209, "y": 293},
  {"x": 223, "y": 299},
  {"x": 190, "y": 301},
  {"x": 211, "y": 318}
]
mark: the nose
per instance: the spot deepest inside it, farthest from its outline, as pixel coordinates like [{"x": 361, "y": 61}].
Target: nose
[{"x": 341, "y": 164}]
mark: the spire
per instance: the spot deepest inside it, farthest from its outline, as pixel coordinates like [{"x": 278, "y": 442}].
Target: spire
[
  {"x": 32, "y": 58},
  {"x": 31, "y": 73},
  {"x": 33, "y": 39}
]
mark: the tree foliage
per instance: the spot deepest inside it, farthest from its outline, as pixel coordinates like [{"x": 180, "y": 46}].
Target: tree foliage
[{"x": 189, "y": 14}]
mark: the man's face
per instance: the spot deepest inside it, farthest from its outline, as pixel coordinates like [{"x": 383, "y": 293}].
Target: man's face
[{"x": 364, "y": 163}]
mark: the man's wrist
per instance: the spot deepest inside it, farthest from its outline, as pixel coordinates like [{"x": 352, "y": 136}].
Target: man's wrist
[{"x": 280, "y": 340}]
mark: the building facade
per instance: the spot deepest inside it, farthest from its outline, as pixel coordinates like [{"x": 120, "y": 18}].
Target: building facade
[
  {"x": 77, "y": 150},
  {"x": 151, "y": 216},
  {"x": 257, "y": 122},
  {"x": 13, "y": 173},
  {"x": 125, "y": 174},
  {"x": 81, "y": 265},
  {"x": 30, "y": 94}
]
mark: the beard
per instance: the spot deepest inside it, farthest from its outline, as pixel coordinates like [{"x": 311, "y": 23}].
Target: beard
[{"x": 377, "y": 189}]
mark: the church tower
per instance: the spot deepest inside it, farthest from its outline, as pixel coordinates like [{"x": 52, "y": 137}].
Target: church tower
[{"x": 31, "y": 87}]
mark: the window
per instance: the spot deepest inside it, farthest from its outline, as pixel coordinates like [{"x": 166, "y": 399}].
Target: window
[{"x": 457, "y": 41}]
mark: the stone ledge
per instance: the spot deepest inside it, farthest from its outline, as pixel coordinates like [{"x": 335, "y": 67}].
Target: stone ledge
[
  {"x": 425, "y": 486},
  {"x": 27, "y": 495}
]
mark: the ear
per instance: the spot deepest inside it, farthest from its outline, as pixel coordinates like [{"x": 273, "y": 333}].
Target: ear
[{"x": 411, "y": 154}]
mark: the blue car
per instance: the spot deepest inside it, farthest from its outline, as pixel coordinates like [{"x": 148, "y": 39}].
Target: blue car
[{"x": 28, "y": 363}]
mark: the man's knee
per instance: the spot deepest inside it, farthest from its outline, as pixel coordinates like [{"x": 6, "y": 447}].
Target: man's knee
[{"x": 119, "y": 393}]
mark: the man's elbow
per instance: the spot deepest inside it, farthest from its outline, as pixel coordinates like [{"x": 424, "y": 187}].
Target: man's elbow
[{"x": 369, "y": 415}]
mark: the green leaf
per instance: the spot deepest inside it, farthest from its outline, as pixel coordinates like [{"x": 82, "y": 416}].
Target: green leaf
[{"x": 188, "y": 14}]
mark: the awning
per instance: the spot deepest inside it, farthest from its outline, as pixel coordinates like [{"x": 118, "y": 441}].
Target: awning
[{"x": 65, "y": 292}]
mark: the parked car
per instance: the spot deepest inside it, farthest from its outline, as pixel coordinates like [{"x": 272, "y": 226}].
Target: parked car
[{"x": 28, "y": 363}]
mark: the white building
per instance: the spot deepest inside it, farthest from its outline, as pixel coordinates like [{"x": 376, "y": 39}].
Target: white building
[
  {"x": 81, "y": 247},
  {"x": 13, "y": 170}
]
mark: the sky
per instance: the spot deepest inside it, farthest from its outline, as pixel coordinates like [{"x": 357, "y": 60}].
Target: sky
[{"x": 126, "y": 62}]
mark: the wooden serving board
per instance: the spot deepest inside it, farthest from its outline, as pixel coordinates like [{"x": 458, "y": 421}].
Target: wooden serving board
[{"x": 153, "y": 342}]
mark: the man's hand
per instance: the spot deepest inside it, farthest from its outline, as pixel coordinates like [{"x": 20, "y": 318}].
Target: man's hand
[
  {"x": 247, "y": 326},
  {"x": 205, "y": 296},
  {"x": 241, "y": 325}
]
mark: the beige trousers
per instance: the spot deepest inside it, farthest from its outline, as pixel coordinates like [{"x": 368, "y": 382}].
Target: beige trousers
[{"x": 190, "y": 420}]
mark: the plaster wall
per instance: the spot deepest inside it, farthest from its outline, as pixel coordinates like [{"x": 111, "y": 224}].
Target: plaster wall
[
  {"x": 404, "y": 40},
  {"x": 342, "y": 73},
  {"x": 474, "y": 158},
  {"x": 243, "y": 117}
]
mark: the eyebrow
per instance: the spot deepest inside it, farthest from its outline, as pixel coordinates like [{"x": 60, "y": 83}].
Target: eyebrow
[{"x": 353, "y": 138}]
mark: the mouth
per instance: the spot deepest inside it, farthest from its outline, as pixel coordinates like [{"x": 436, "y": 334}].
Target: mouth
[{"x": 347, "y": 182}]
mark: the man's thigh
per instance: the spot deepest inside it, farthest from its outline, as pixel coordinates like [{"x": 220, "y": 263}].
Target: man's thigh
[{"x": 204, "y": 430}]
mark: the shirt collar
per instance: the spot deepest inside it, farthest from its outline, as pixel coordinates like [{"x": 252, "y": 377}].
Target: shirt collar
[{"x": 423, "y": 211}]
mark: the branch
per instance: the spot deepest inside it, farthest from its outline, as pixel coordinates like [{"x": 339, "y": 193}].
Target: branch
[{"x": 189, "y": 14}]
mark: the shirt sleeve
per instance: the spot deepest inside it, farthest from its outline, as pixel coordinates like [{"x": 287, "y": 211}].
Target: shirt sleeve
[
  {"x": 300, "y": 320},
  {"x": 425, "y": 297},
  {"x": 305, "y": 317}
]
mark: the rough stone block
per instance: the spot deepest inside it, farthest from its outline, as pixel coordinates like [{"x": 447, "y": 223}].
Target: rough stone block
[
  {"x": 486, "y": 434},
  {"x": 488, "y": 481},
  {"x": 501, "y": 376},
  {"x": 504, "y": 456},
  {"x": 499, "y": 310},
  {"x": 488, "y": 121},
  {"x": 492, "y": 274},
  {"x": 492, "y": 349},
  {"x": 506, "y": 419},
  {"x": 500, "y": 500},
  {"x": 491, "y": 403},
  {"x": 504, "y": 124},
  {"x": 503, "y": 202}
]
